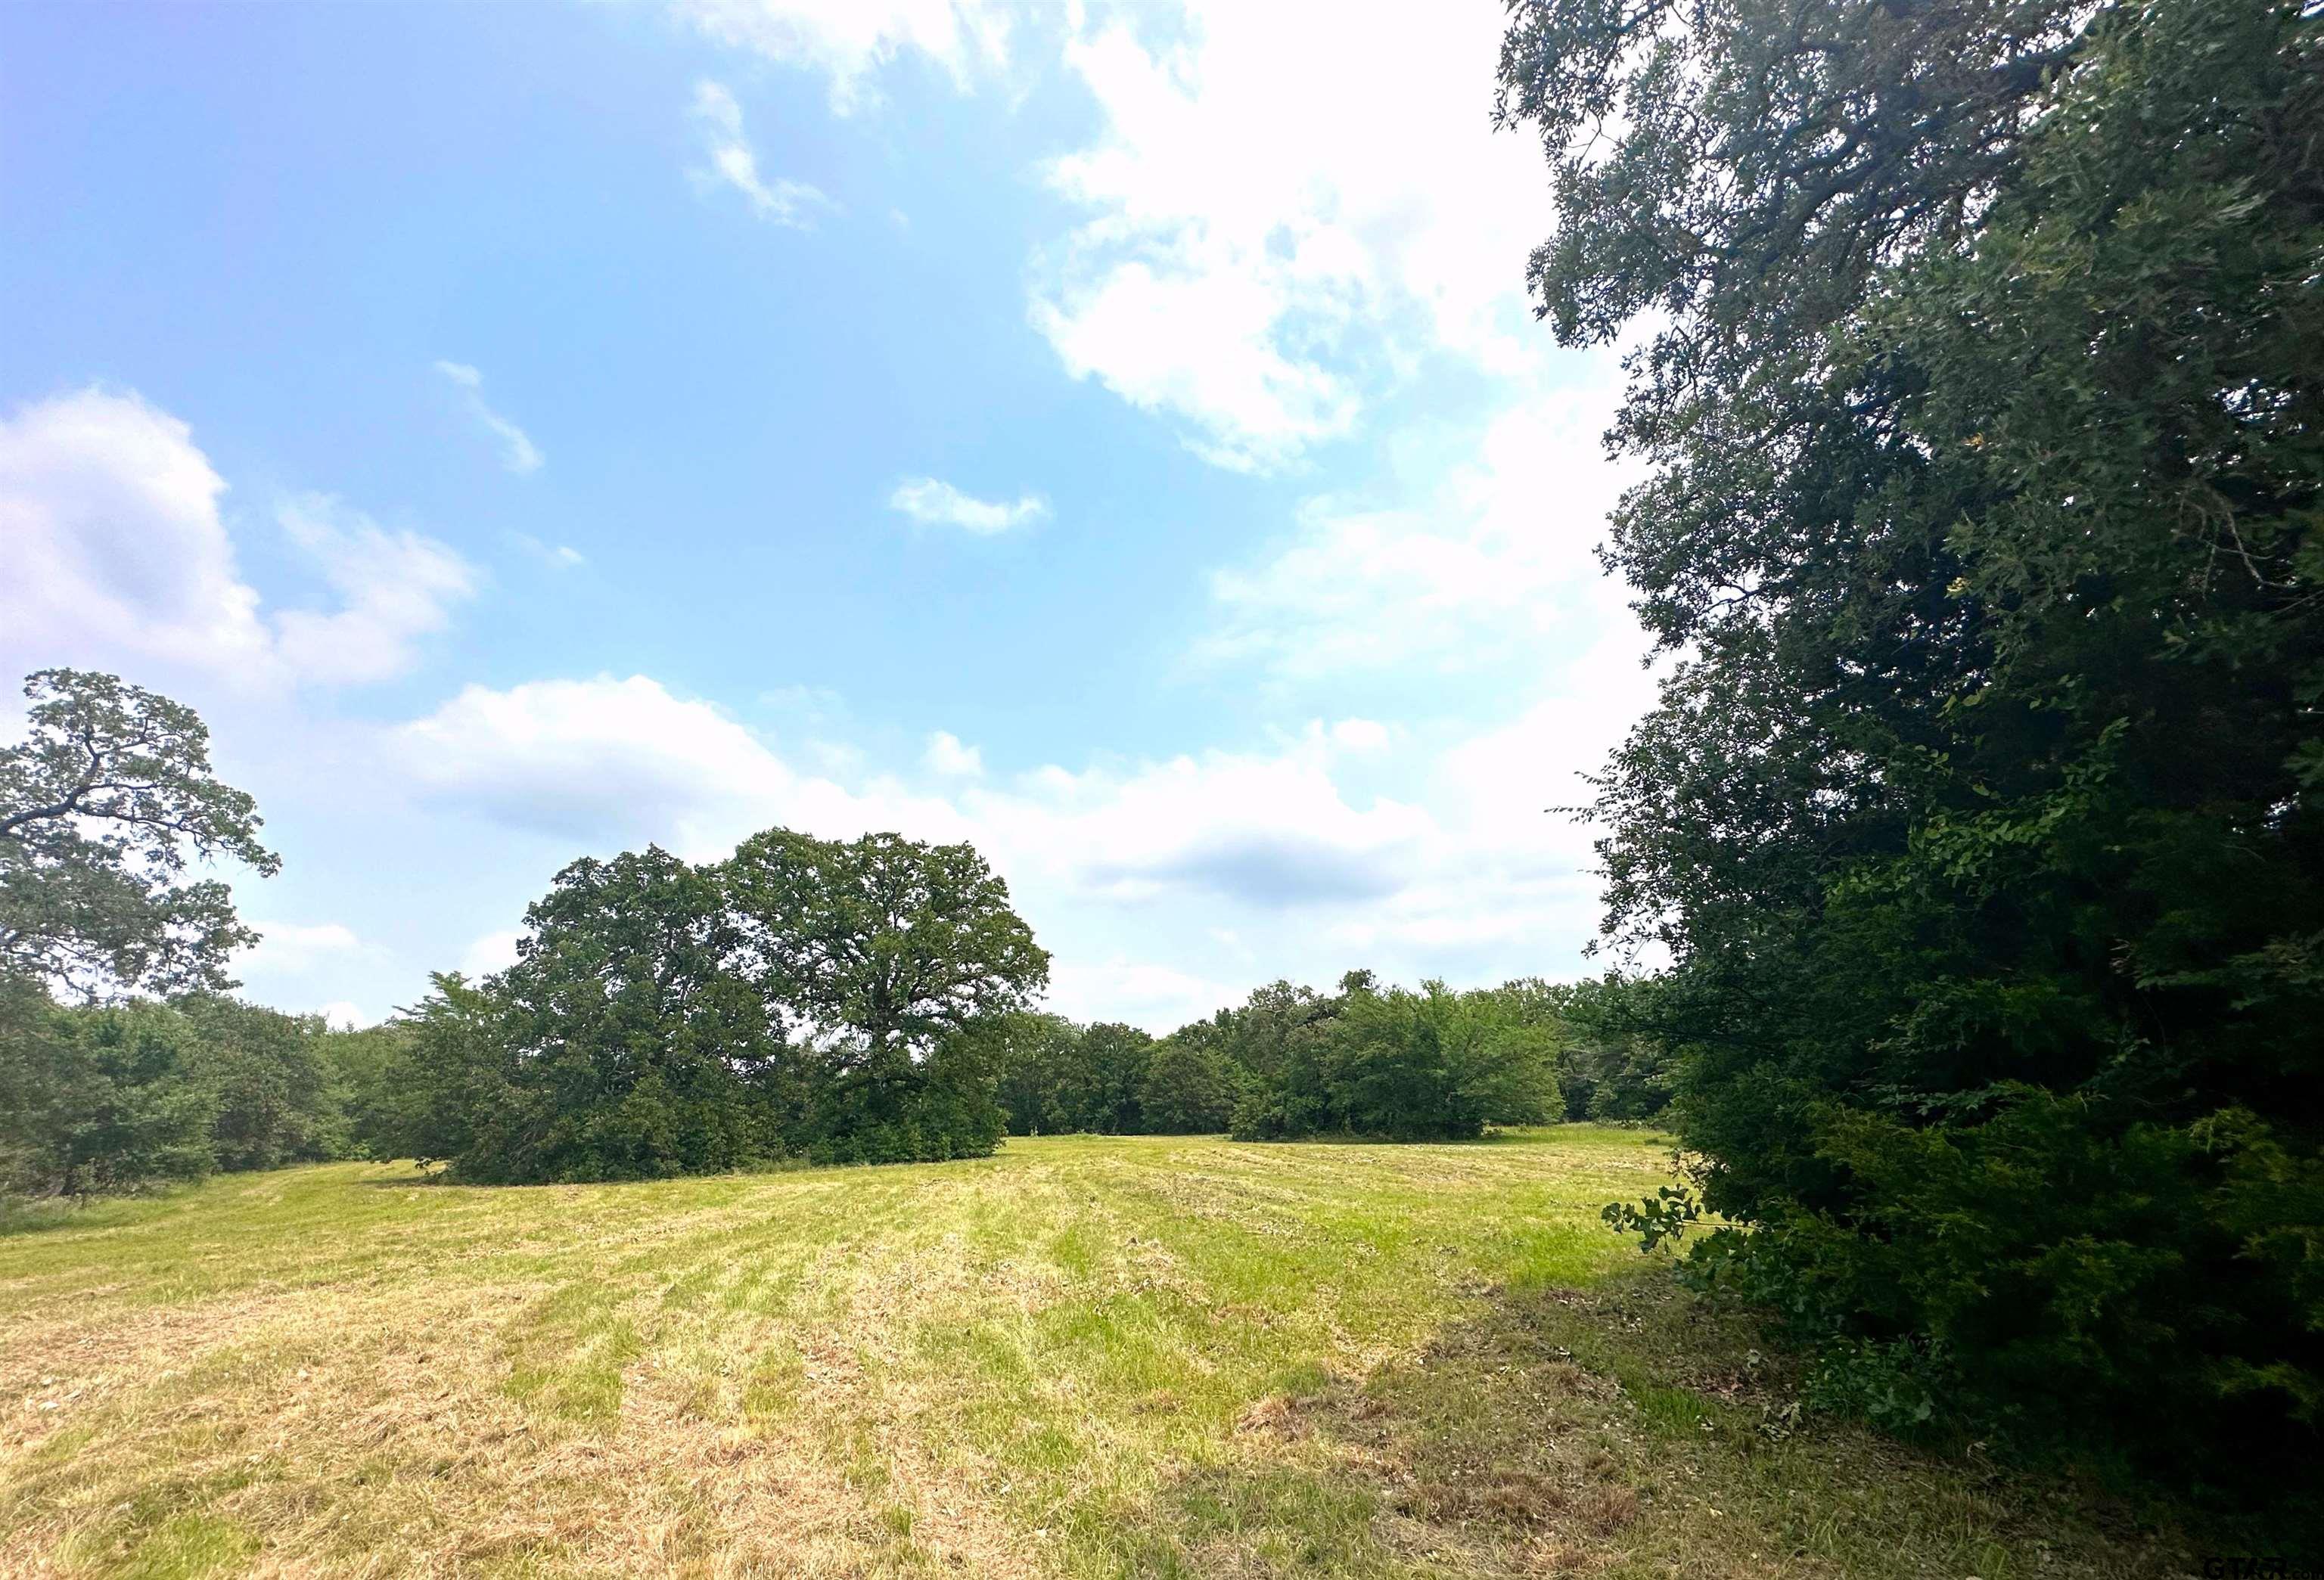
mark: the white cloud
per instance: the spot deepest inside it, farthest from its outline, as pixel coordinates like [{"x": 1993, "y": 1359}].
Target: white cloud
[
  {"x": 1155, "y": 998},
  {"x": 1164, "y": 887},
  {"x": 1201, "y": 346},
  {"x": 718, "y": 122},
  {"x": 495, "y": 952},
  {"x": 947, "y": 756},
  {"x": 394, "y": 587},
  {"x": 343, "y": 1016},
  {"x": 1256, "y": 261},
  {"x": 115, "y": 545},
  {"x": 1270, "y": 831},
  {"x": 519, "y": 454},
  {"x": 286, "y": 949},
  {"x": 119, "y": 552},
  {"x": 848, "y": 40},
  {"x": 1255, "y": 254},
  {"x": 611, "y": 762},
  {"x": 934, "y": 504},
  {"x": 1496, "y": 565}
]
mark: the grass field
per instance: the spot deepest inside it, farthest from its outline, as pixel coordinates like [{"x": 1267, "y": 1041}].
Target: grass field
[{"x": 1083, "y": 1356}]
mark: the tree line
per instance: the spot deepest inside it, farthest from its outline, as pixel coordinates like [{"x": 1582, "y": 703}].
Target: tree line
[
  {"x": 871, "y": 1000},
  {"x": 102, "y": 1098},
  {"x": 1981, "y": 380},
  {"x": 1366, "y": 1061},
  {"x": 124, "y": 1096}
]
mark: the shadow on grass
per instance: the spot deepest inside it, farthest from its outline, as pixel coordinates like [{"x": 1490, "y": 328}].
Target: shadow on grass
[
  {"x": 50, "y": 1213},
  {"x": 1506, "y": 1135},
  {"x": 1619, "y": 1431}
]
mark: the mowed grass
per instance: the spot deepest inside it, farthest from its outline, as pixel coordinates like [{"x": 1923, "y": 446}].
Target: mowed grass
[{"x": 1149, "y": 1356}]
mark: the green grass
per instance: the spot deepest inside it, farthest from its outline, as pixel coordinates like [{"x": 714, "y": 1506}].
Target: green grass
[{"x": 1082, "y": 1357}]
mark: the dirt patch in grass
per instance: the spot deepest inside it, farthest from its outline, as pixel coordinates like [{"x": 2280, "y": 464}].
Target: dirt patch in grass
[{"x": 1513, "y": 1440}]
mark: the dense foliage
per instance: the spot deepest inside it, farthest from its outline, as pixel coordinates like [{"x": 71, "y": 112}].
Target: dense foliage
[
  {"x": 839, "y": 1001},
  {"x": 1980, "y": 814},
  {"x": 1389, "y": 1064},
  {"x": 118, "y": 1097},
  {"x": 888, "y": 966},
  {"x": 1058, "y": 1077}
]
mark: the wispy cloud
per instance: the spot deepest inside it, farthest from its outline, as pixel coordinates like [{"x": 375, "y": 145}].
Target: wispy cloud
[
  {"x": 519, "y": 454},
  {"x": 718, "y": 120},
  {"x": 939, "y": 504},
  {"x": 562, "y": 557},
  {"x": 394, "y": 588},
  {"x": 851, "y": 40}
]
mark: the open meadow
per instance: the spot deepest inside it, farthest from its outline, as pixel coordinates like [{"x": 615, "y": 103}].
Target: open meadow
[{"x": 1083, "y": 1356}]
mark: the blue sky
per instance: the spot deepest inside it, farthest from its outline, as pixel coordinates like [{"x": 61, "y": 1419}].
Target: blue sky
[{"x": 1114, "y": 436}]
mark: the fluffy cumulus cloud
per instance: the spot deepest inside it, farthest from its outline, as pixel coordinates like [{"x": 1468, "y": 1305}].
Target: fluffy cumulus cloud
[
  {"x": 611, "y": 762},
  {"x": 494, "y": 952},
  {"x": 1164, "y": 886},
  {"x": 1259, "y": 245},
  {"x": 1283, "y": 209},
  {"x": 934, "y": 504},
  {"x": 1271, "y": 830},
  {"x": 110, "y": 516},
  {"x": 122, "y": 554},
  {"x": 949, "y": 759},
  {"x": 519, "y": 454},
  {"x": 730, "y": 161},
  {"x": 848, "y": 40}
]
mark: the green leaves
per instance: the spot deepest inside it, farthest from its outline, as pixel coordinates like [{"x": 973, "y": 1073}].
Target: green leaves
[
  {"x": 808, "y": 996},
  {"x": 1979, "y": 813},
  {"x": 101, "y": 808},
  {"x": 120, "y": 1097},
  {"x": 882, "y": 945}
]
